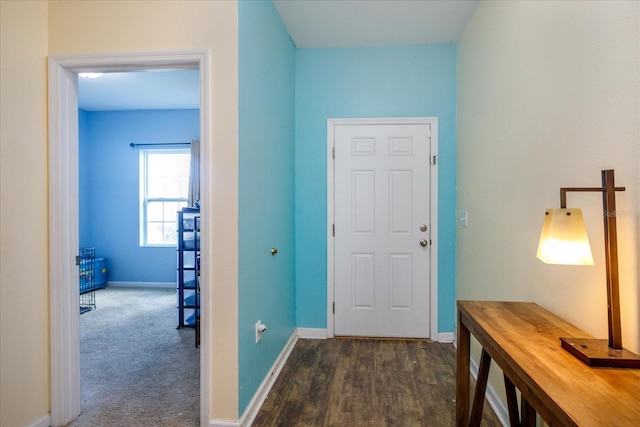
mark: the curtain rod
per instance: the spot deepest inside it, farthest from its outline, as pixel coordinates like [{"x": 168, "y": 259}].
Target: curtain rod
[{"x": 171, "y": 144}]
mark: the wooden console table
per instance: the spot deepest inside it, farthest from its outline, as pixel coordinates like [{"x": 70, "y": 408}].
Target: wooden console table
[{"x": 523, "y": 339}]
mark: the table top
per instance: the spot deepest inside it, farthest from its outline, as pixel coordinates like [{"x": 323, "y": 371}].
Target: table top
[{"x": 523, "y": 339}]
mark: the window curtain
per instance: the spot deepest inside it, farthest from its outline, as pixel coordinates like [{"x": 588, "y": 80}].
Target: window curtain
[{"x": 194, "y": 174}]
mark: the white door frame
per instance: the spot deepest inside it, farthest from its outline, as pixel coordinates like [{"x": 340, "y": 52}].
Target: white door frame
[
  {"x": 433, "y": 280},
  {"x": 63, "y": 214}
]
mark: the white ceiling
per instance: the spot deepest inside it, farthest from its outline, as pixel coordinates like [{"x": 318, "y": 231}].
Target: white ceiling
[
  {"x": 358, "y": 23},
  {"x": 140, "y": 90},
  {"x": 311, "y": 24}
]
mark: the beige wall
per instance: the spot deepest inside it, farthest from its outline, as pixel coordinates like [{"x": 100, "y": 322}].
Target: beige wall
[
  {"x": 24, "y": 298},
  {"x": 30, "y": 32},
  {"x": 548, "y": 95}
]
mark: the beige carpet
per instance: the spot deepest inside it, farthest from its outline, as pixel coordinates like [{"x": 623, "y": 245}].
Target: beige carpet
[{"x": 137, "y": 369}]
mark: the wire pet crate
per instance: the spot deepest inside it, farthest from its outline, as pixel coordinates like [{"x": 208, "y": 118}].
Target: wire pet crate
[{"x": 87, "y": 261}]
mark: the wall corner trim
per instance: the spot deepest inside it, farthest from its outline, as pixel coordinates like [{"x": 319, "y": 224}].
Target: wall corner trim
[
  {"x": 446, "y": 337},
  {"x": 42, "y": 422},
  {"x": 312, "y": 333}
]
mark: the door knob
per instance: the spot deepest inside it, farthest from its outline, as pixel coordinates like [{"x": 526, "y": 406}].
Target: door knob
[
  {"x": 423, "y": 242},
  {"x": 423, "y": 227}
]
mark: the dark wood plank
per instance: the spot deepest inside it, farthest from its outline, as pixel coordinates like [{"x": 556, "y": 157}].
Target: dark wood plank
[
  {"x": 324, "y": 373},
  {"x": 339, "y": 407},
  {"x": 364, "y": 393},
  {"x": 424, "y": 393}
]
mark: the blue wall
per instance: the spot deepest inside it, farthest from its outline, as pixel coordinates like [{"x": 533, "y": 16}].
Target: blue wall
[
  {"x": 84, "y": 172},
  {"x": 407, "y": 81},
  {"x": 266, "y": 289},
  {"x": 109, "y": 186}
]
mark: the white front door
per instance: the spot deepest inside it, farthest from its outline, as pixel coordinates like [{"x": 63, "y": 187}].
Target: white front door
[{"x": 382, "y": 230}]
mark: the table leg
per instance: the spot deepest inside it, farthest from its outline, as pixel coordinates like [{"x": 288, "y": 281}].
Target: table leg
[
  {"x": 512, "y": 402},
  {"x": 481, "y": 388},
  {"x": 527, "y": 413},
  {"x": 462, "y": 373}
]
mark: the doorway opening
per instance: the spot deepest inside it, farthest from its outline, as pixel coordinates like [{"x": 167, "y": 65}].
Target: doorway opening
[
  {"x": 129, "y": 196},
  {"x": 64, "y": 224}
]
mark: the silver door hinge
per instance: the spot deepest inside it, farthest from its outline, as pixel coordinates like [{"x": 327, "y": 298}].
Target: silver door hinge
[
  {"x": 334, "y": 307},
  {"x": 334, "y": 229},
  {"x": 77, "y": 259},
  {"x": 433, "y": 159},
  {"x": 333, "y": 151}
]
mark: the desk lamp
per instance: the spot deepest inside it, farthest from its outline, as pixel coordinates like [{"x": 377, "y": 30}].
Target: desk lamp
[{"x": 564, "y": 240}]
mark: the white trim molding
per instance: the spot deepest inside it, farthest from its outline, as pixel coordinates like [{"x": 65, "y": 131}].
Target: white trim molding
[
  {"x": 63, "y": 244},
  {"x": 312, "y": 333},
  {"x": 42, "y": 422},
  {"x": 446, "y": 337},
  {"x": 433, "y": 279},
  {"x": 63, "y": 213},
  {"x": 224, "y": 423}
]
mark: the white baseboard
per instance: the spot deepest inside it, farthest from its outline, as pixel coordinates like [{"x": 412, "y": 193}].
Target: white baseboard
[
  {"x": 445, "y": 337},
  {"x": 42, "y": 422},
  {"x": 224, "y": 423},
  {"x": 163, "y": 285},
  {"x": 321, "y": 334},
  {"x": 312, "y": 333},
  {"x": 260, "y": 395}
]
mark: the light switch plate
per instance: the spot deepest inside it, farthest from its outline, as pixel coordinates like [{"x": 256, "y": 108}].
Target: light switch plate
[{"x": 463, "y": 218}]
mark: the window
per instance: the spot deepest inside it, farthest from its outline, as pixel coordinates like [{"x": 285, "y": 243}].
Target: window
[{"x": 164, "y": 187}]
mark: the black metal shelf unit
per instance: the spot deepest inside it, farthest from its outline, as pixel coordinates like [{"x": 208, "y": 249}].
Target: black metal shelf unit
[{"x": 188, "y": 283}]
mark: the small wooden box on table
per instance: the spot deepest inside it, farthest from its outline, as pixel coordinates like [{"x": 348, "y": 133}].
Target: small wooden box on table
[{"x": 523, "y": 339}]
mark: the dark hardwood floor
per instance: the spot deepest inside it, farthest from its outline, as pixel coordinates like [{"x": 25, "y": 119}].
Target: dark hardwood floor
[{"x": 356, "y": 382}]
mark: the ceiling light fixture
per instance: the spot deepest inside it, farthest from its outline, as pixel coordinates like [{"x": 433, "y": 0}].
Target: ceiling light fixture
[{"x": 90, "y": 75}]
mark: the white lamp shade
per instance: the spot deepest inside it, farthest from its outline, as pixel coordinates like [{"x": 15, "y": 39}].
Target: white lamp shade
[{"x": 564, "y": 239}]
